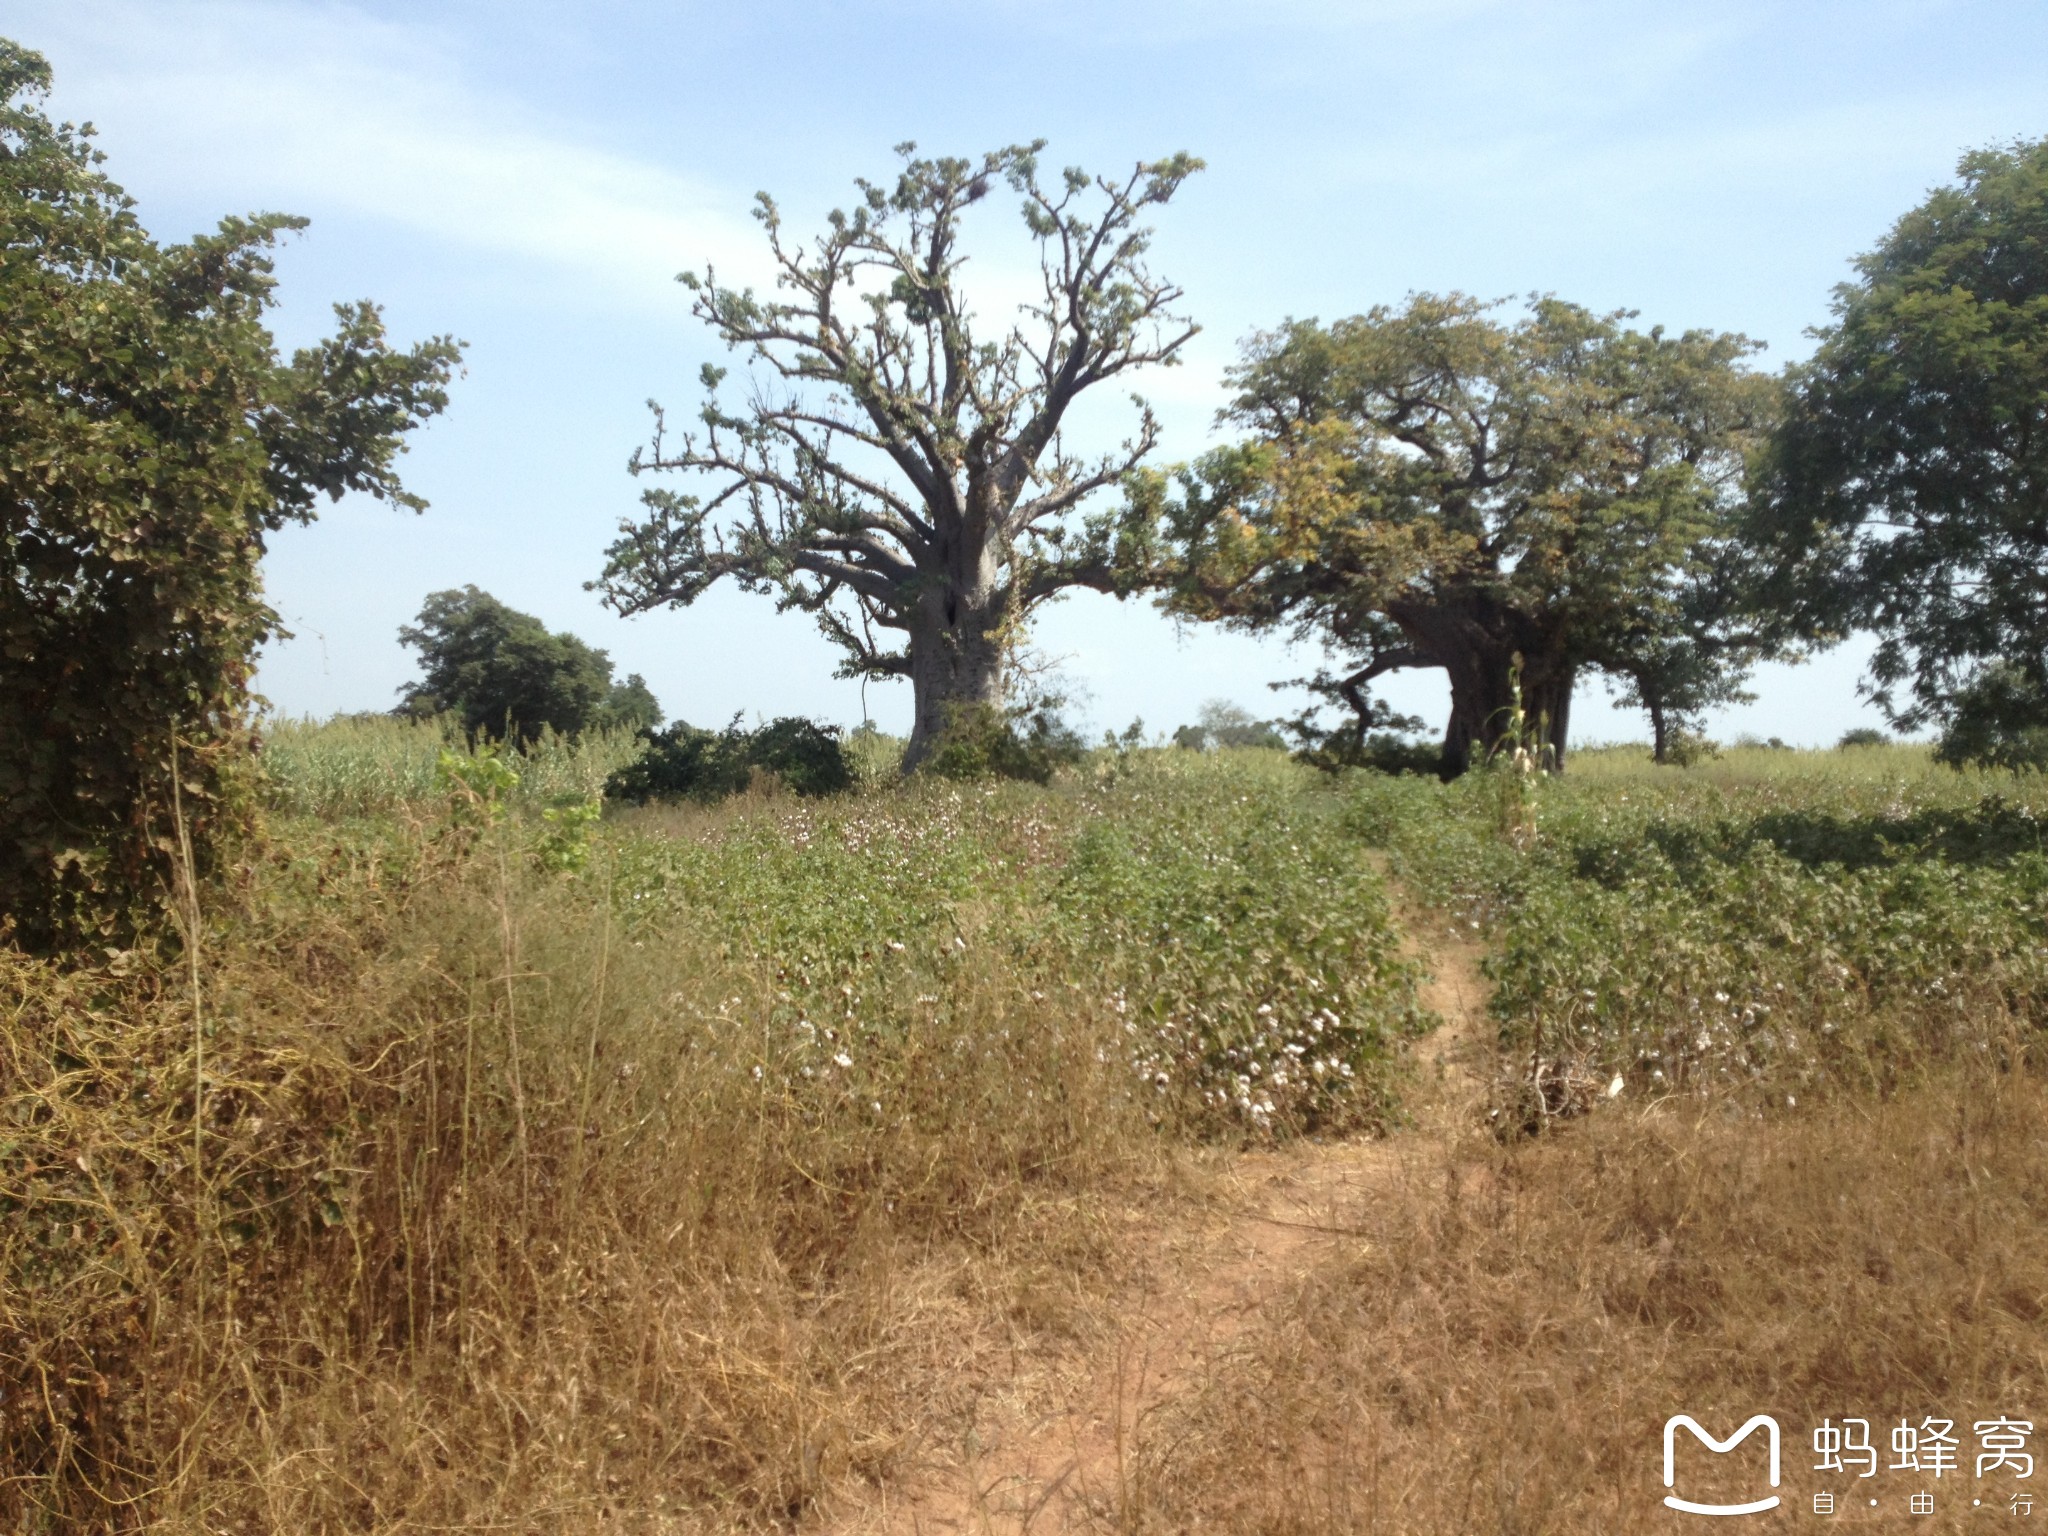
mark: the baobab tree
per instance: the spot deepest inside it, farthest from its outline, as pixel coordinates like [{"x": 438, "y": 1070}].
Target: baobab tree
[
  {"x": 1513, "y": 503},
  {"x": 893, "y": 470}
]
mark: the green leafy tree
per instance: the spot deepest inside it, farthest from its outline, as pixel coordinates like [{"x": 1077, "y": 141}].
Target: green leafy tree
[
  {"x": 1684, "y": 646},
  {"x": 629, "y": 706},
  {"x": 1911, "y": 472},
  {"x": 150, "y": 439},
  {"x": 1430, "y": 487},
  {"x": 897, "y": 470},
  {"x": 502, "y": 672}
]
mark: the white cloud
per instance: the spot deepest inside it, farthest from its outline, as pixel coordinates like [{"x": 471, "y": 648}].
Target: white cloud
[{"x": 323, "y": 110}]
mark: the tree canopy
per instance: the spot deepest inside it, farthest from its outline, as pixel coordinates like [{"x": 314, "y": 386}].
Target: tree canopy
[
  {"x": 1428, "y": 486},
  {"x": 502, "y": 672},
  {"x": 150, "y": 437},
  {"x": 1911, "y": 471},
  {"x": 897, "y": 468}
]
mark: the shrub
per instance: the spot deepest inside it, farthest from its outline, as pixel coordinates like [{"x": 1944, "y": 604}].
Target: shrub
[
  {"x": 1688, "y": 748},
  {"x": 1862, "y": 736},
  {"x": 686, "y": 763},
  {"x": 983, "y": 742}
]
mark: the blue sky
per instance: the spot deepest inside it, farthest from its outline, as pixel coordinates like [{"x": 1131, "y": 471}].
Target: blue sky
[{"x": 530, "y": 177}]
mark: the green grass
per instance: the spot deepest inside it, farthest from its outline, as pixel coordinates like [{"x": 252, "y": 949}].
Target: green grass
[{"x": 366, "y": 765}]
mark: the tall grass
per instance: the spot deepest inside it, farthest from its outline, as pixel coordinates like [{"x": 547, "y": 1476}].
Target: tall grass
[
  {"x": 673, "y": 1193},
  {"x": 360, "y": 765}
]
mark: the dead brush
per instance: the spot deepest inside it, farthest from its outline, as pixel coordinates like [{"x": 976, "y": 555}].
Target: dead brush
[
  {"x": 1499, "y": 1351},
  {"x": 500, "y": 1216}
]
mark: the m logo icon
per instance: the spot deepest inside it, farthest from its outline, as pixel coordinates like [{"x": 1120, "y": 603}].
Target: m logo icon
[{"x": 1755, "y": 1507}]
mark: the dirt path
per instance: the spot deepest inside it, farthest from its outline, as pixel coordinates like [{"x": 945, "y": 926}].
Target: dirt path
[{"x": 1050, "y": 1453}]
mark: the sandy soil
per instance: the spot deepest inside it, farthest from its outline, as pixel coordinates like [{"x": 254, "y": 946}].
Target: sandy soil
[{"x": 1048, "y": 1451}]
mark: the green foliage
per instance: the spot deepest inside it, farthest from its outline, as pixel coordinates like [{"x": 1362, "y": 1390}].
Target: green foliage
[
  {"x": 1862, "y": 736},
  {"x": 1217, "y": 912},
  {"x": 685, "y": 763},
  {"x": 1793, "y": 925},
  {"x": 983, "y": 742},
  {"x": 1430, "y": 487},
  {"x": 874, "y": 756},
  {"x": 1220, "y": 723},
  {"x": 629, "y": 706},
  {"x": 1260, "y": 975},
  {"x": 564, "y": 847},
  {"x": 496, "y": 670},
  {"x": 1686, "y": 749},
  {"x": 478, "y": 784},
  {"x": 1999, "y": 719},
  {"x": 150, "y": 437},
  {"x": 1911, "y": 478}
]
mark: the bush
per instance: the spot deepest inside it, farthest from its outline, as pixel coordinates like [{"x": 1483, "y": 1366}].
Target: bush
[
  {"x": 1862, "y": 736},
  {"x": 1375, "y": 751},
  {"x": 152, "y": 439},
  {"x": 1998, "y": 720},
  {"x": 1687, "y": 748},
  {"x": 685, "y": 763},
  {"x": 982, "y": 742}
]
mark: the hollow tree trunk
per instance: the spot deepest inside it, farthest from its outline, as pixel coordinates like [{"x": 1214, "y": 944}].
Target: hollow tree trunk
[{"x": 957, "y": 658}]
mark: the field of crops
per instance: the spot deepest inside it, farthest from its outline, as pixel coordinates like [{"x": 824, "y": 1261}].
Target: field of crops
[
  {"x": 1777, "y": 923},
  {"x": 685, "y": 1163}
]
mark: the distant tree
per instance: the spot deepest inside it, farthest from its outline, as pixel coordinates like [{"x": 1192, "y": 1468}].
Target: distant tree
[
  {"x": 500, "y": 671},
  {"x": 629, "y": 706},
  {"x": 891, "y": 469},
  {"x": 150, "y": 440},
  {"x": 1862, "y": 736},
  {"x": 1910, "y": 485},
  {"x": 1430, "y": 487},
  {"x": 1221, "y": 723}
]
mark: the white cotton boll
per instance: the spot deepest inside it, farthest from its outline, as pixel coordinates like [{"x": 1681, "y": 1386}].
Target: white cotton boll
[{"x": 1614, "y": 1088}]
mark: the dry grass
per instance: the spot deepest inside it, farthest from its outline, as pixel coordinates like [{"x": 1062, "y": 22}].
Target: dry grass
[
  {"x": 670, "y": 1195},
  {"x": 492, "y": 1223},
  {"x": 1499, "y": 1349}
]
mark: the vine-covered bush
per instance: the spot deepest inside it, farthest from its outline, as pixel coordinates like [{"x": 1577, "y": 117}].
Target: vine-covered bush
[{"x": 149, "y": 438}]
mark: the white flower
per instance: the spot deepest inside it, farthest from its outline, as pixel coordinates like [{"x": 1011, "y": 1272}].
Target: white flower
[{"x": 842, "y": 1060}]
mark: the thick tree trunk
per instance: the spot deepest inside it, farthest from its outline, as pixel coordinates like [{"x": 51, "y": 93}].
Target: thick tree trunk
[
  {"x": 957, "y": 657},
  {"x": 1482, "y": 707},
  {"x": 1660, "y": 733},
  {"x": 1476, "y": 644}
]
